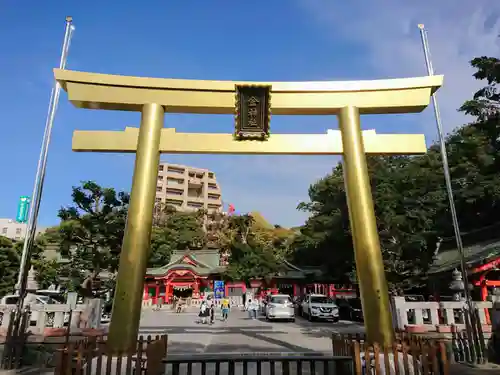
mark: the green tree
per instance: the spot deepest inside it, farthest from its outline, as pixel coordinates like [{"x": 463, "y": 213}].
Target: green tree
[
  {"x": 410, "y": 199},
  {"x": 10, "y": 260},
  {"x": 9, "y": 266},
  {"x": 175, "y": 230},
  {"x": 44, "y": 269},
  {"x": 251, "y": 254},
  {"x": 90, "y": 234}
]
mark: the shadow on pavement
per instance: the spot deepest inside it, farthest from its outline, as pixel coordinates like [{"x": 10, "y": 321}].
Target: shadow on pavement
[{"x": 256, "y": 332}]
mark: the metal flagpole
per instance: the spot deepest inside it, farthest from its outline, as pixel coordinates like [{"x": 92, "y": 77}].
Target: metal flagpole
[
  {"x": 470, "y": 315},
  {"x": 40, "y": 173},
  {"x": 446, "y": 168}
]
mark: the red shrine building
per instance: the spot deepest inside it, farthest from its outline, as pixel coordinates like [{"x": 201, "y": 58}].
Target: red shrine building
[
  {"x": 191, "y": 273},
  {"x": 482, "y": 254}
]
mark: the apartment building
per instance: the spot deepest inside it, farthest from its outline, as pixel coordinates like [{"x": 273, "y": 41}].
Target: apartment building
[
  {"x": 188, "y": 188},
  {"x": 15, "y": 231}
]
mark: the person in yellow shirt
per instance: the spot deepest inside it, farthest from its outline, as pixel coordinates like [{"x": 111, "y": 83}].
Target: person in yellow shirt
[{"x": 225, "y": 308}]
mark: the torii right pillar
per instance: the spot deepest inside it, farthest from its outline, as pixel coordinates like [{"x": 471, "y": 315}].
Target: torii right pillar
[{"x": 368, "y": 255}]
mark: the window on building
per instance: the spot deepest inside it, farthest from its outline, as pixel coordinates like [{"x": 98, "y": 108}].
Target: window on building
[
  {"x": 212, "y": 186},
  {"x": 160, "y": 178},
  {"x": 160, "y": 168},
  {"x": 210, "y": 175},
  {"x": 4, "y": 230},
  {"x": 175, "y": 191},
  {"x": 213, "y": 196},
  {"x": 18, "y": 230},
  {"x": 175, "y": 181},
  {"x": 158, "y": 188},
  {"x": 175, "y": 170},
  {"x": 174, "y": 202}
]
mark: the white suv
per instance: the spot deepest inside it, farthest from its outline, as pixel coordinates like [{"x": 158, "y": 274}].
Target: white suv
[
  {"x": 280, "y": 306},
  {"x": 319, "y": 306}
]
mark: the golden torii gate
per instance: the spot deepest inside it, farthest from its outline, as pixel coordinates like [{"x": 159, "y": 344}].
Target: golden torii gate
[{"x": 251, "y": 103}]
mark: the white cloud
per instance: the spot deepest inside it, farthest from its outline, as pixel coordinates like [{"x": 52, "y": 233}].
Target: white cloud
[
  {"x": 458, "y": 30},
  {"x": 387, "y": 29}
]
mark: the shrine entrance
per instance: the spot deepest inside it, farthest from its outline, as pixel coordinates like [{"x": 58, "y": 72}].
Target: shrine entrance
[
  {"x": 250, "y": 103},
  {"x": 180, "y": 291}
]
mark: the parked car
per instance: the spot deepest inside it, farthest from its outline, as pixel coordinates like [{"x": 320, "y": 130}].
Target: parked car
[
  {"x": 350, "y": 309},
  {"x": 280, "y": 306},
  {"x": 319, "y": 306}
]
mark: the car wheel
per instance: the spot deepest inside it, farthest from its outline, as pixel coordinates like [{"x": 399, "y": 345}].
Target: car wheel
[{"x": 292, "y": 320}]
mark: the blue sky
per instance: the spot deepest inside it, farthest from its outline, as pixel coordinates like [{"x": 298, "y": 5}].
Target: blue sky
[{"x": 262, "y": 40}]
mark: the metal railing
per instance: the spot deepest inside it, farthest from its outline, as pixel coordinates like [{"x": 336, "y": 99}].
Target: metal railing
[{"x": 254, "y": 364}]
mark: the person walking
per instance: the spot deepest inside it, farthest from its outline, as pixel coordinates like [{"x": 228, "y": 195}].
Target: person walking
[
  {"x": 247, "y": 308},
  {"x": 225, "y": 309},
  {"x": 203, "y": 312},
  {"x": 212, "y": 313},
  {"x": 253, "y": 306}
]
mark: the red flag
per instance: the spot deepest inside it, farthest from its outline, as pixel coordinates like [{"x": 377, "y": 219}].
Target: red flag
[{"x": 231, "y": 209}]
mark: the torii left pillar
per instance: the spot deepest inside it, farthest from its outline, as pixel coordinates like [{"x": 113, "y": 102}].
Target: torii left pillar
[{"x": 133, "y": 261}]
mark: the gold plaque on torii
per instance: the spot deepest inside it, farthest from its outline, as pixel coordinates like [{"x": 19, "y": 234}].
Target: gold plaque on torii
[{"x": 252, "y": 112}]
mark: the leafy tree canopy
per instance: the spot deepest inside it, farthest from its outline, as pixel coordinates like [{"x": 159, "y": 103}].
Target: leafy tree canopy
[
  {"x": 91, "y": 232},
  {"x": 175, "y": 230},
  {"x": 409, "y": 194},
  {"x": 252, "y": 254},
  {"x": 9, "y": 266}
]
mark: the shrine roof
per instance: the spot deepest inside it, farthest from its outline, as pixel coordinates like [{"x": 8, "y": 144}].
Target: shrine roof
[
  {"x": 201, "y": 262},
  {"x": 476, "y": 254}
]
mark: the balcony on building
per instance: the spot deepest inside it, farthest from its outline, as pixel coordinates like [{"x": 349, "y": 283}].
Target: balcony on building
[
  {"x": 175, "y": 181},
  {"x": 174, "y": 191},
  {"x": 213, "y": 188},
  {"x": 214, "y": 207},
  {"x": 196, "y": 199},
  {"x": 175, "y": 171},
  {"x": 195, "y": 191},
  {"x": 213, "y": 196},
  {"x": 193, "y": 206},
  {"x": 177, "y": 203},
  {"x": 195, "y": 182}
]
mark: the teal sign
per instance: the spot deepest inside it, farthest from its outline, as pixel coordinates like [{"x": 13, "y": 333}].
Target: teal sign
[{"x": 22, "y": 209}]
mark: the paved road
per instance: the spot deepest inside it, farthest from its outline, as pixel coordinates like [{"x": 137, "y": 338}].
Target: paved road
[{"x": 241, "y": 334}]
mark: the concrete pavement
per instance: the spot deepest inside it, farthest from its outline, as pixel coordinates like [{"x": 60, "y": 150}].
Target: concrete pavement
[{"x": 241, "y": 334}]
